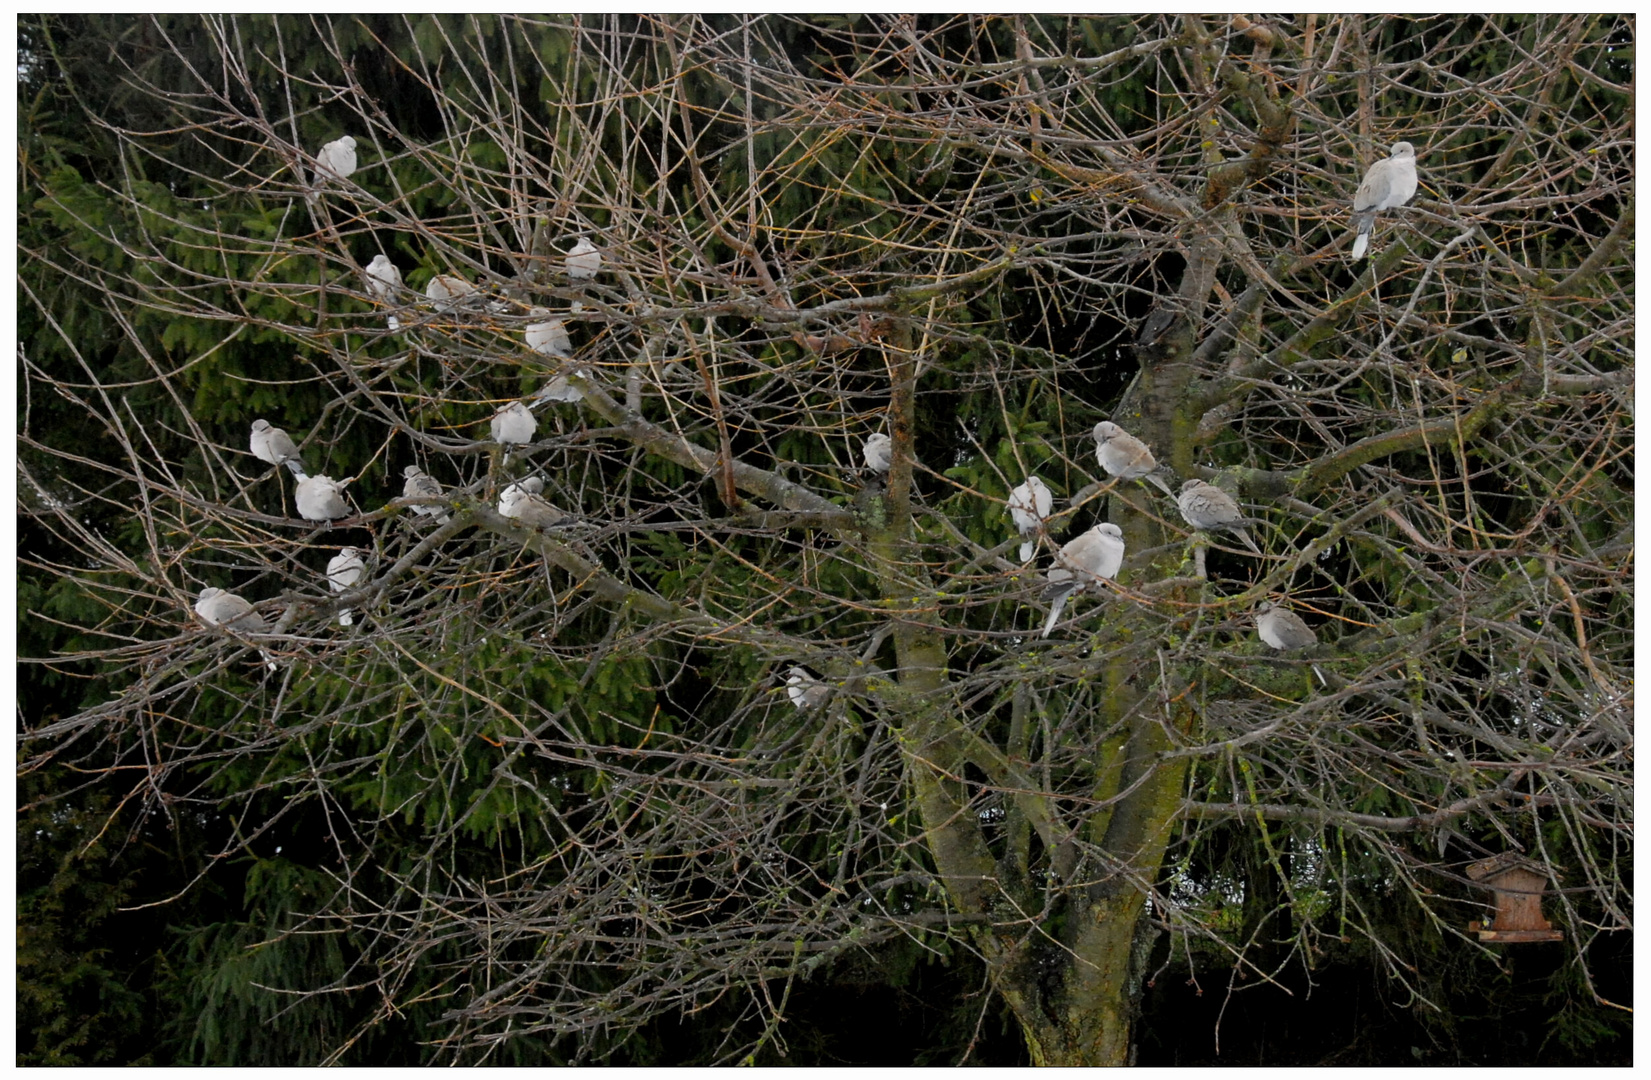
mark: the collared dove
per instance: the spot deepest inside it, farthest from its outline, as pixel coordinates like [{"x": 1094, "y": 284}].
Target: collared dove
[
  {"x": 421, "y": 485},
  {"x": 1096, "y": 554},
  {"x": 336, "y": 161},
  {"x": 805, "y": 691},
  {"x": 549, "y": 336},
  {"x": 273, "y": 445},
  {"x": 1207, "y": 508},
  {"x": 1390, "y": 182},
  {"x": 1029, "y": 505},
  {"x": 321, "y": 498},
  {"x": 584, "y": 260},
  {"x": 1126, "y": 457},
  {"x": 1282, "y": 628},
  {"x": 384, "y": 282},
  {"x": 514, "y": 424},
  {"x": 560, "y": 388},
  {"x": 448, "y": 291},
  {"x": 344, "y": 572},
  {"x": 523, "y": 502},
  {"x": 219, "y": 608},
  {"x": 879, "y": 453}
]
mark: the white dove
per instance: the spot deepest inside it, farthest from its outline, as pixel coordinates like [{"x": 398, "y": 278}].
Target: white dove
[
  {"x": 447, "y": 291},
  {"x": 1126, "y": 457},
  {"x": 1390, "y": 182},
  {"x": 219, "y": 608},
  {"x": 583, "y": 261},
  {"x": 336, "y": 161},
  {"x": 514, "y": 424},
  {"x": 879, "y": 453},
  {"x": 1029, "y": 505},
  {"x": 549, "y": 336},
  {"x": 321, "y": 498},
  {"x": 523, "y": 502},
  {"x": 1098, "y": 553},
  {"x": 344, "y": 572},
  {"x": 384, "y": 282},
  {"x": 273, "y": 445},
  {"x": 421, "y": 485}
]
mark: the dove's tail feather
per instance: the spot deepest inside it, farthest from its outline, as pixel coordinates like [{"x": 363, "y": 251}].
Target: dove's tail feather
[
  {"x": 1055, "y": 614},
  {"x": 1362, "y": 242},
  {"x": 1027, "y": 548},
  {"x": 269, "y": 661},
  {"x": 1156, "y": 476},
  {"x": 1245, "y": 536},
  {"x": 296, "y": 467},
  {"x": 393, "y": 323},
  {"x": 345, "y": 618}
]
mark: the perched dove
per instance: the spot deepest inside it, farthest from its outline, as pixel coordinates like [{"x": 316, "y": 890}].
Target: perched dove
[
  {"x": 384, "y": 282},
  {"x": 447, "y": 291},
  {"x": 1208, "y": 508},
  {"x": 1282, "y": 628},
  {"x": 336, "y": 161},
  {"x": 1098, "y": 553},
  {"x": 1390, "y": 182},
  {"x": 1126, "y": 457},
  {"x": 549, "y": 336},
  {"x": 421, "y": 485},
  {"x": 344, "y": 572},
  {"x": 271, "y": 444},
  {"x": 879, "y": 453},
  {"x": 514, "y": 424},
  {"x": 583, "y": 260},
  {"x": 219, "y": 608},
  {"x": 804, "y": 690},
  {"x": 1029, "y": 505},
  {"x": 523, "y": 502},
  {"x": 561, "y": 389},
  {"x": 321, "y": 498}
]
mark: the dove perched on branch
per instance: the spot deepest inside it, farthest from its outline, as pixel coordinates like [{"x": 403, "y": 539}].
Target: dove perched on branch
[
  {"x": 1207, "y": 508},
  {"x": 805, "y": 691},
  {"x": 513, "y": 424},
  {"x": 321, "y": 498},
  {"x": 273, "y": 445},
  {"x": 1126, "y": 457},
  {"x": 583, "y": 261},
  {"x": 447, "y": 291},
  {"x": 384, "y": 282},
  {"x": 879, "y": 453},
  {"x": 344, "y": 572},
  {"x": 1096, "y": 554},
  {"x": 336, "y": 161},
  {"x": 421, "y": 485},
  {"x": 219, "y": 608},
  {"x": 1285, "y": 631},
  {"x": 548, "y": 336},
  {"x": 1391, "y": 182},
  {"x": 523, "y": 502},
  {"x": 1029, "y": 505}
]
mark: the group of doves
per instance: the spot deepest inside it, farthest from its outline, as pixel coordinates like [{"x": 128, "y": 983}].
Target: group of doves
[
  {"x": 1099, "y": 553},
  {"x": 321, "y": 498},
  {"x": 1081, "y": 563}
]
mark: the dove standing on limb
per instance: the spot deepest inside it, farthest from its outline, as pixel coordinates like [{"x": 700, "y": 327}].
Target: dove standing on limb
[
  {"x": 219, "y": 608},
  {"x": 549, "y": 336},
  {"x": 1207, "y": 508},
  {"x": 523, "y": 502},
  {"x": 447, "y": 291},
  {"x": 1029, "y": 505},
  {"x": 513, "y": 424},
  {"x": 1390, "y": 182},
  {"x": 336, "y": 161},
  {"x": 583, "y": 261},
  {"x": 1126, "y": 457},
  {"x": 805, "y": 691},
  {"x": 1098, "y": 553},
  {"x": 421, "y": 485},
  {"x": 321, "y": 498},
  {"x": 384, "y": 282},
  {"x": 273, "y": 445},
  {"x": 1284, "y": 630},
  {"x": 344, "y": 572},
  {"x": 879, "y": 453}
]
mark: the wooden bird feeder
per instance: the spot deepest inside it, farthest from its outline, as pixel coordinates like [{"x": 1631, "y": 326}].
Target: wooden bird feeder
[{"x": 1518, "y": 883}]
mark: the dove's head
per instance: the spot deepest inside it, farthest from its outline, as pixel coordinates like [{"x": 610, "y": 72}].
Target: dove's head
[
  {"x": 347, "y": 142},
  {"x": 532, "y": 484},
  {"x": 1403, "y": 150},
  {"x": 877, "y": 440},
  {"x": 411, "y": 471},
  {"x": 1191, "y": 485},
  {"x": 260, "y": 425},
  {"x": 1264, "y": 607},
  {"x": 1106, "y": 528},
  {"x": 208, "y": 593},
  {"x": 350, "y": 552},
  {"x": 1106, "y": 430}
]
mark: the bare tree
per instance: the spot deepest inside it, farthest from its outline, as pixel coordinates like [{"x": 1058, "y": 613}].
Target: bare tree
[{"x": 980, "y": 236}]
